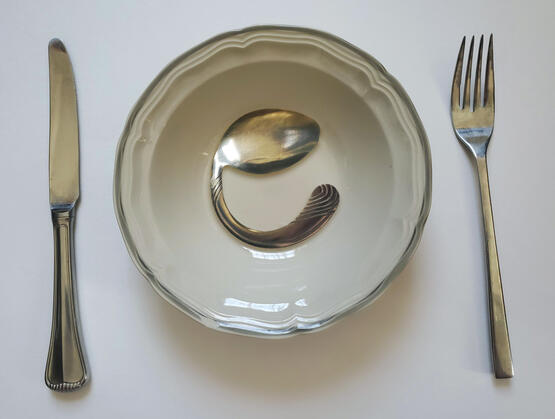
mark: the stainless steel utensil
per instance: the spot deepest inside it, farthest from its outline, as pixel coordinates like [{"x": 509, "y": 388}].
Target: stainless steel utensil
[
  {"x": 473, "y": 125},
  {"x": 66, "y": 368},
  {"x": 266, "y": 141}
]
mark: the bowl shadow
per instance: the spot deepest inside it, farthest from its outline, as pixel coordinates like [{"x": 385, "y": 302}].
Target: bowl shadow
[{"x": 300, "y": 364}]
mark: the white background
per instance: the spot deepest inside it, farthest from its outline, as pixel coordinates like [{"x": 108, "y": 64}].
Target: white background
[{"x": 422, "y": 350}]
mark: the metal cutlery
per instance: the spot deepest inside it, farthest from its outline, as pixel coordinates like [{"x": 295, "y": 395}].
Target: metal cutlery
[
  {"x": 267, "y": 141},
  {"x": 473, "y": 125},
  {"x": 66, "y": 368}
]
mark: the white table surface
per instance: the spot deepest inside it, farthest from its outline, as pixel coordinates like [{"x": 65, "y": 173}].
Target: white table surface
[{"x": 422, "y": 350}]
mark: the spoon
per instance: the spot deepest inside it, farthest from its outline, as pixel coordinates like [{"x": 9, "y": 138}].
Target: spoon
[{"x": 266, "y": 141}]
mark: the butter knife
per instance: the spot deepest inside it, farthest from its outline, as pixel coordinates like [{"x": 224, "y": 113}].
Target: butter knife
[{"x": 66, "y": 367}]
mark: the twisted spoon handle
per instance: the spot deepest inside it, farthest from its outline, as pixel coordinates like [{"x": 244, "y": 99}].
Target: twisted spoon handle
[{"x": 318, "y": 210}]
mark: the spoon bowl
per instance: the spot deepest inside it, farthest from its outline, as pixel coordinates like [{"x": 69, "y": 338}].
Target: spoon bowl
[{"x": 267, "y": 141}]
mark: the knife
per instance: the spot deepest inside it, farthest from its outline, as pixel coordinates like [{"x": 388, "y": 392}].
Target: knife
[{"x": 66, "y": 366}]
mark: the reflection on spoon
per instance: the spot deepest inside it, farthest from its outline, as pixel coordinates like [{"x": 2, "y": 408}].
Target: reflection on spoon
[{"x": 266, "y": 141}]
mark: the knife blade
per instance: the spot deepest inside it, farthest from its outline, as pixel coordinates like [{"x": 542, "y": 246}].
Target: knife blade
[
  {"x": 64, "y": 129},
  {"x": 66, "y": 367}
]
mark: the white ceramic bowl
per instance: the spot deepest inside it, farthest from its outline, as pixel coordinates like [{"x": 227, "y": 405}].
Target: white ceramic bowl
[{"x": 372, "y": 148}]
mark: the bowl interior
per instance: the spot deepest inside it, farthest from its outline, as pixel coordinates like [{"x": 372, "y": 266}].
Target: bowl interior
[{"x": 367, "y": 150}]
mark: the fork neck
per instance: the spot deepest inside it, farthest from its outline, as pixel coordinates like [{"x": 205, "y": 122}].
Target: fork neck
[
  {"x": 477, "y": 146},
  {"x": 480, "y": 151}
]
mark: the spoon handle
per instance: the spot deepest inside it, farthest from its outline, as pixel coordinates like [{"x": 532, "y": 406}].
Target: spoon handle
[{"x": 321, "y": 205}]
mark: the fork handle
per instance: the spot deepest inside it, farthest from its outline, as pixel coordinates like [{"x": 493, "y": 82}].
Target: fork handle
[
  {"x": 501, "y": 346},
  {"x": 66, "y": 368}
]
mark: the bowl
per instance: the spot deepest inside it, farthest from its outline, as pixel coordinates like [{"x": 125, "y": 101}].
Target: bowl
[{"x": 372, "y": 148}]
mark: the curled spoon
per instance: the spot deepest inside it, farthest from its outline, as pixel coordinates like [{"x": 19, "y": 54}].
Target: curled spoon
[{"x": 267, "y": 141}]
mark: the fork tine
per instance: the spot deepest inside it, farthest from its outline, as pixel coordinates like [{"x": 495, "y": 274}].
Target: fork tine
[
  {"x": 466, "y": 98},
  {"x": 456, "y": 89},
  {"x": 478, "y": 78},
  {"x": 489, "y": 88}
]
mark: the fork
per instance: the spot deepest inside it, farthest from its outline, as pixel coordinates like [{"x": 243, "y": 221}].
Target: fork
[{"x": 473, "y": 125}]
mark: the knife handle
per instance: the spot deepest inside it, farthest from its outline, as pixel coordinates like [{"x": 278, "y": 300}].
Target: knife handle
[{"x": 66, "y": 368}]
